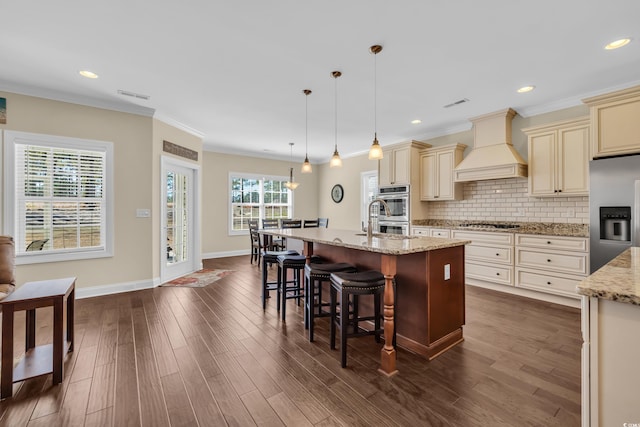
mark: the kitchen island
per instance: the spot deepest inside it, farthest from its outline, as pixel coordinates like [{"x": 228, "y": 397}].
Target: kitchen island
[
  {"x": 429, "y": 308},
  {"x": 611, "y": 334}
]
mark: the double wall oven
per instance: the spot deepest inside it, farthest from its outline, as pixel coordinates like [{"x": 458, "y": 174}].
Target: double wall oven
[{"x": 397, "y": 220}]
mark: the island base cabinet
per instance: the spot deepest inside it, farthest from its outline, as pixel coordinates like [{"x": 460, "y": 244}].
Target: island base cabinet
[
  {"x": 430, "y": 297},
  {"x": 611, "y": 379}
]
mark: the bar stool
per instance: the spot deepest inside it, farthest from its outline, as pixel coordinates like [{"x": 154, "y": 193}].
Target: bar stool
[
  {"x": 314, "y": 275},
  {"x": 296, "y": 290},
  {"x": 269, "y": 258},
  {"x": 354, "y": 285}
]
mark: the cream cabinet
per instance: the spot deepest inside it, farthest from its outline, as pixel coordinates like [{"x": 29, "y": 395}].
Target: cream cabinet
[
  {"x": 489, "y": 257},
  {"x": 431, "y": 232},
  {"x": 615, "y": 122},
  {"x": 399, "y": 164},
  {"x": 551, "y": 264},
  {"x": 559, "y": 158},
  {"x": 436, "y": 173}
]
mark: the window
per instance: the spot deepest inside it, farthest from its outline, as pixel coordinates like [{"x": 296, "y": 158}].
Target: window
[
  {"x": 257, "y": 197},
  {"x": 368, "y": 192},
  {"x": 58, "y": 197}
]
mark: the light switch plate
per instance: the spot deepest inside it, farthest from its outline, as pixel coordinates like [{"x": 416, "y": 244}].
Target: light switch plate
[
  {"x": 447, "y": 271},
  {"x": 143, "y": 213}
]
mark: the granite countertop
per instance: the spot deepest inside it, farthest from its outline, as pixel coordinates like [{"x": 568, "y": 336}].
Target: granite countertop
[
  {"x": 391, "y": 244},
  {"x": 542, "y": 228},
  {"x": 618, "y": 280}
]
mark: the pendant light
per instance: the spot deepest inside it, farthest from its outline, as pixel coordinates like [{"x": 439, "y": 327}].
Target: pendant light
[
  {"x": 291, "y": 184},
  {"x": 375, "y": 152},
  {"x": 306, "y": 166},
  {"x": 336, "y": 161}
]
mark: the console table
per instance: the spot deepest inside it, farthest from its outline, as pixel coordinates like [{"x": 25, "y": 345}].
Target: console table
[{"x": 43, "y": 359}]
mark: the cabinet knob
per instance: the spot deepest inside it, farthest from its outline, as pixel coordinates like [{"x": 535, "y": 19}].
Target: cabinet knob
[
  {"x": 548, "y": 242},
  {"x": 548, "y": 260},
  {"x": 497, "y": 254},
  {"x": 559, "y": 191},
  {"x": 497, "y": 274},
  {"x": 548, "y": 283}
]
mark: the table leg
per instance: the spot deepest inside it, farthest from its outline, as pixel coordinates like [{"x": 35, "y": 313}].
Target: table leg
[
  {"x": 30, "y": 329},
  {"x": 70, "y": 317},
  {"x": 58, "y": 339},
  {"x": 388, "y": 352},
  {"x": 6, "y": 372}
]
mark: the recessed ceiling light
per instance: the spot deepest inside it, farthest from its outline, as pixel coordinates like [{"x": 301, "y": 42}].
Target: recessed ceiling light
[
  {"x": 416, "y": 122},
  {"x": 88, "y": 74},
  {"x": 525, "y": 89},
  {"x": 616, "y": 44}
]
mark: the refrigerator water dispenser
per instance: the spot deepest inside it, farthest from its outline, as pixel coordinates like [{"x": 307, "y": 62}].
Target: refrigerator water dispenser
[{"x": 615, "y": 223}]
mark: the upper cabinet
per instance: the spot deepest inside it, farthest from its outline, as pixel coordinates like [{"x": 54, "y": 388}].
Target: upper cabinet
[
  {"x": 559, "y": 158},
  {"x": 436, "y": 173},
  {"x": 400, "y": 164},
  {"x": 615, "y": 123}
]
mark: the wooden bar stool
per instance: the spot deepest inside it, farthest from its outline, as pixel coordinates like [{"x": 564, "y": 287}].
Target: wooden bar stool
[
  {"x": 269, "y": 258},
  {"x": 314, "y": 275},
  {"x": 352, "y": 286},
  {"x": 290, "y": 289}
]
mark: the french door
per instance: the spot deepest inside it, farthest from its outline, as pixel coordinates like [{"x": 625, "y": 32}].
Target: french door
[{"x": 179, "y": 224}]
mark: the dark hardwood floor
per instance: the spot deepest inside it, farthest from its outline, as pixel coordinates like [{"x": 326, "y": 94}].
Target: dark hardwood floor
[{"x": 211, "y": 357}]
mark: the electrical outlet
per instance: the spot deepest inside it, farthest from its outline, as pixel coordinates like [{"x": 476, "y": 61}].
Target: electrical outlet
[
  {"x": 143, "y": 213},
  {"x": 520, "y": 212},
  {"x": 447, "y": 271},
  {"x": 571, "y": 212}
]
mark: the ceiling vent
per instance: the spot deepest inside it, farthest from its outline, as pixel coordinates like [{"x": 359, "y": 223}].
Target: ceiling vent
[
  {"x": 453, "y": 104},
  {"x": 133, "y": 94}
]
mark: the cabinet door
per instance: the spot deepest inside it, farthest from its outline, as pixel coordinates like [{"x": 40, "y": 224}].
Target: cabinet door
[
  {"x": 573, "y": 161},
  {"x": 401, "y": 173},
  {"x": 384, "y": 168},
  {"x": 428, "y": 177},
  {"x": 542, "y": 164},
  {"x": 445, "y": 176},
  {"x": 617, "y": 128}
]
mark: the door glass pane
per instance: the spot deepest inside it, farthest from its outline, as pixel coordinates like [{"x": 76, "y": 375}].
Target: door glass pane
[{"x": 177, "y": 217}]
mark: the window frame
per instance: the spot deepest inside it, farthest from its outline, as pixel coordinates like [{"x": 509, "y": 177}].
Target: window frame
[
  {"x": 261, "y": 205},
  {"x": 11, "y": 139}
]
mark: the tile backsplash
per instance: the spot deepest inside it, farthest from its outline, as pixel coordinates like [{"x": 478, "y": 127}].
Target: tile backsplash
[{"x": 507, "y": 200}]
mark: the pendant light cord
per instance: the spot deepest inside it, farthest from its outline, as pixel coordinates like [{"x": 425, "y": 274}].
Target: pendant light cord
[
  {"x": 336, "y": 111},
  {"x": 375, "y": 94},
  {"x": 306, "y": 125}
]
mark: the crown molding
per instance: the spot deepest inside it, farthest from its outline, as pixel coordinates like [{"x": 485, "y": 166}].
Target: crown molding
[
  {"x": 179, "y": 125},
  {"x": 55, "y": 95}
]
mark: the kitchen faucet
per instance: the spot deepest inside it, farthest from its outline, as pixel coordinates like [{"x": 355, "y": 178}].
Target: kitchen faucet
[{"x": 369, "y": 224}]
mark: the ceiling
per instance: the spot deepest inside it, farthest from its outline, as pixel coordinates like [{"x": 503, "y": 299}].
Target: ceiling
[{"x": 233, "y": 71}]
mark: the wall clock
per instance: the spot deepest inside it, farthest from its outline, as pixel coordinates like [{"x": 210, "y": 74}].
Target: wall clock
[{"x": 337, "y": 193}]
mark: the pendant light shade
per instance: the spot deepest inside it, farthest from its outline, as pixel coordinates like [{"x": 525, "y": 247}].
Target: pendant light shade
[
  {"x": 306, "y": 166},
  {"x": 336, "y": 161},
  {"x": 375, "y": 152},
  {"x": 291, "y": 184}
]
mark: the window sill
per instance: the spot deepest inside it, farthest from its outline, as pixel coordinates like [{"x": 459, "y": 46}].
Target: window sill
[{"x": 39, "y": 258}]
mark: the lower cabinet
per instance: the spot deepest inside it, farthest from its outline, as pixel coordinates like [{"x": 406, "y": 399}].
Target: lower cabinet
[
  {"x": 431, "y": 232},
  {"x": 551, "y": 264},
  {"x": 489, "y": 256}
]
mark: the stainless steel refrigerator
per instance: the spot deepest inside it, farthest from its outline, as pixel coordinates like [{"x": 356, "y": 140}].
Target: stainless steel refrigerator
[{"x": 614, "y": 207}]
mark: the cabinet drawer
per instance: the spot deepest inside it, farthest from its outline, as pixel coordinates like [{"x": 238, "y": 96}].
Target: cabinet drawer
[
  {"x": 491, "y": 273},
  {"x": 552, "y": 261},
  {"x": 421, "y": 231},
  {"x": 440, "y": 232},
  {"x": 556, "y": 284},
  {"x": 479, "y": 237},
  {"x": 579, "y": 244},
  {"x": 491, "y": 254}
]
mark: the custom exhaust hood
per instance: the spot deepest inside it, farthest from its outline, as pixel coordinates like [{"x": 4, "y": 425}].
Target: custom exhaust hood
[{"x": 493, "y": 155}]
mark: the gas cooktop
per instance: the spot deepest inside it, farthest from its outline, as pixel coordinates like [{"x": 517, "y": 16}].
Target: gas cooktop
[{"x": 490, "y": 226}]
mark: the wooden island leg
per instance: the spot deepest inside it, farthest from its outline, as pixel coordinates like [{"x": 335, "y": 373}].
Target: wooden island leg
[{"x": 388, "y": 352}]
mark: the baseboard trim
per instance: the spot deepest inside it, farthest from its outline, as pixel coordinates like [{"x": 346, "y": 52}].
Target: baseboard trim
[
  {"x": 226, "y": 254},
  {"x": 117, "y": 288}
]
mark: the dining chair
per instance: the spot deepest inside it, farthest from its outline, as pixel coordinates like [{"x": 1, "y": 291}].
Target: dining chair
[
  {"x": 323, "y": 222},
  {"x": 291, "y": 223},
  {"x": 256, "y": 246},
  {"x": 274, "y": 244},
  {"x": 310, "y": 223}
]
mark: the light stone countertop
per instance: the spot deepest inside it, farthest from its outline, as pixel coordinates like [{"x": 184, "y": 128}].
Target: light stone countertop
[
  {"x": 542, "y": 228},
  {"x": 391, "y": 244},
  {"x": 618, "y": 280}
]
